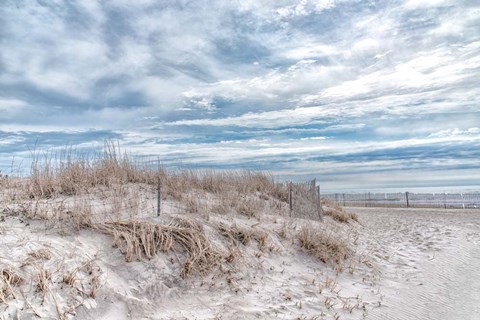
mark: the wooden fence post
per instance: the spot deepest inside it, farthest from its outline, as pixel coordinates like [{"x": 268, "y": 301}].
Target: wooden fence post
[
  {"x": 319, "y": 202},
  {"x": 406, "y": 199},
  {"x": 158, "y": 197},
  {"x": 290, "y": 200}
]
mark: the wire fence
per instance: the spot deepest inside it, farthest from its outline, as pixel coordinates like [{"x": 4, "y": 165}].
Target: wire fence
[
  {"x": 304, "y": 200},
  {"x": 147, "y": 200},
  {"x": 140, "y": 200},
  {"x": 407, "y": 200}
]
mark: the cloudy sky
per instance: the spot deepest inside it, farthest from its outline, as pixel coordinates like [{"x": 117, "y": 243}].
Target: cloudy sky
[{"x": 358, "y": 93}]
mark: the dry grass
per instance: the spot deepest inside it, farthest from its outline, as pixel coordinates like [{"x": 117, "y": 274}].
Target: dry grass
[
  {"x": 250, "y": 207},
  {"x": 142, "y": 238},
  {"x": 326, "y": 246},
  {"x": 75, "y": 174},
  {"x": 94, "y": 285},
  {"x": 9, "y": 279},
  {"x": 71, "y": 277},
  {"x": 42, "y": 280},
  {"x": 192, "y": 204},
  {"x": 227, "y": 191},
  {"x": 224, "y": 203},
  {"x": 75, "y": 191},
  {"x": 221, "y": 182},
  {"x": 336, "y": 212},
  {"x": 244, "y": 235},
  {"x": 81, "y": 214},
  {"x": 41, "y": 254},
  {"x": 71, "y": 173}
]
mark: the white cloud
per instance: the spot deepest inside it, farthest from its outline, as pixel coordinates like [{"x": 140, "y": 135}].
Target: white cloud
[
  {"x": 367, "y": 44},
  {"x": 271, "y": 119},
  {"x": 42, "y": 50},
  {"x": 10, "y": 108},
  {"x": 302, "y": 77},
  {"x": 304, "y": 7},
  {"x": 312, "y": 51},
  {"x": 456, "y": 133},
  {"x": 313, "y": 138},
  {"x": 389, "y": 105},
  {"x": 458, "y": 23},
  {"x": 11, "y": 140},
  {"x": 261, "y": 150},
  {"x": 415, "y": 4},
  {"x": 205, "y": 104},
  {"x": 8, "y": 104}
]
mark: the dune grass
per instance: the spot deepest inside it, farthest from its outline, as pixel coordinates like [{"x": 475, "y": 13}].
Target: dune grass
[
  {"x": 330, "y": 208},
  {"x": 213, "y": 220},
  {"x": 142, "y": 238},
  {"x": 71, "y": 173},
  {"x": 324, "y": 245},
  {"x": 69, "y": 187}
]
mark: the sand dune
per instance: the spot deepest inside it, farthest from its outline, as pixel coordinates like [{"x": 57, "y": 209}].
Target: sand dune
[{"x": 261, "y": 263}]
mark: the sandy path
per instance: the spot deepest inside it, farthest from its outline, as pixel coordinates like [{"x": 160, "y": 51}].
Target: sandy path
[{"x": 431, "y": 262}]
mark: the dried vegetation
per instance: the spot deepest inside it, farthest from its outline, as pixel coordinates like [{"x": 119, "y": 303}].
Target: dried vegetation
[
  {"x": 73, "y": 191},
  {"x": 326, "y": 246},
  {"x": 338, "y": 213},
  {"x": 9, "y": 279},
  {"x": 142, "y": 238}
]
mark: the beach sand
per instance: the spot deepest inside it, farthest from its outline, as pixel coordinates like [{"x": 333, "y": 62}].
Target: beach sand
[
  {"x": 431, "y": 262},
  {"x": 407, "y": 264}
]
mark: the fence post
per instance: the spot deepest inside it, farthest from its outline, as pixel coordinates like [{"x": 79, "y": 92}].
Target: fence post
[
  {"x": 369, "y": 200},
  {"x": 343, "y": 196},
  {"x": 445, "y": 200},
  {"x": 319, "y": 201},
  {"x": 290, "y": 200},
  {"x": 158, "y": 197},
  {"x": 336, "y": 199},
  {"x": 406, "y": 199}
]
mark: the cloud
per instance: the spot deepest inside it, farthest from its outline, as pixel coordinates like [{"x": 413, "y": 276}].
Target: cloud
[
  {"x": 297, "y": 87},
  {"x": 456, "y": 133},
  {"x": 304, "y": 7},
  {"x": 270, "y": 119},
  {"x": 10, "y": 107}
]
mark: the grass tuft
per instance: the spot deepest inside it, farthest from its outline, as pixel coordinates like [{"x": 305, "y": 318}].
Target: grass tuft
[
  {"x": 9, "y": 279},
  {"x": 338, "y": 213},
  {"x": 143, "y": 238},
  {"x": 244, "y": 235},
  {"x": 326, "y": 246}
]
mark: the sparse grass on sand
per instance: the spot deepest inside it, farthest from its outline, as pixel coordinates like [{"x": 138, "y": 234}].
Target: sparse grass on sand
[
  {"x": 325, "y": 245},
  {"x": 71, "y": 173},
  {"x": 139, "y": 238},
  {"x": 330, "y": 208},
  {"x": 115, "y": 196}
]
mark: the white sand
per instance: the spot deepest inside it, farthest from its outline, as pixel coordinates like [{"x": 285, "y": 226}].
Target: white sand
[
  {"x": 431, "y": 267},
  {"x": 409, "y": 264}
]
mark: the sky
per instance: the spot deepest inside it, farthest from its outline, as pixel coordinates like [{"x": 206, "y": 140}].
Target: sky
[{"x": 359, "y": 94}]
